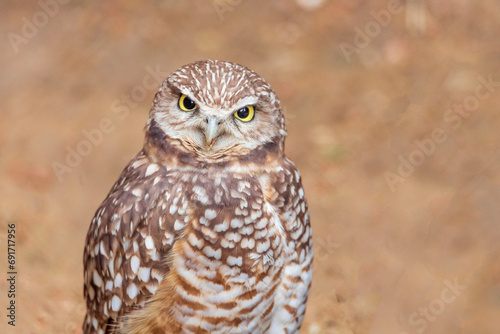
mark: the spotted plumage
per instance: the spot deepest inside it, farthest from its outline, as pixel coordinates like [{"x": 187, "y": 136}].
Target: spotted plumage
[{"x": 207, "y": 229}]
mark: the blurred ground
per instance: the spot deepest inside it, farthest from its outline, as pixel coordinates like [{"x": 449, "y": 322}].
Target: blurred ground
[{"x": 402, "y": 181}]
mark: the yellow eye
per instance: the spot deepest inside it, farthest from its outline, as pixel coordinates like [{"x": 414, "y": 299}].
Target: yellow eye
[
  {"x": 245, "y": 114},
  {"x": 186, "y": 104}
]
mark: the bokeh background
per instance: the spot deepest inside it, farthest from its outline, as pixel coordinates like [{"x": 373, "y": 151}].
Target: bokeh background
[{"x": 393, "y": 119}]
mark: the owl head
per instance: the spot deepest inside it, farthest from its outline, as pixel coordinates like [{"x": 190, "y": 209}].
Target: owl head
[{"x": 215, "y": 111}]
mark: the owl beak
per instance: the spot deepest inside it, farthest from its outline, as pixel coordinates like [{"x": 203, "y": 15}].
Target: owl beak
[{"x": 211, "y": 130}]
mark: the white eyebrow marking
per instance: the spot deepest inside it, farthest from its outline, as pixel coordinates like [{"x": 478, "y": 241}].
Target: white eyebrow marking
[
  {"x": 246, "y": 101},
  {"x": 188, "y": 93}
]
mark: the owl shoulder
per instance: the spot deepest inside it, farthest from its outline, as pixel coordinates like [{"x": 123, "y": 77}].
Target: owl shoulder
[{"x": 138, "y": 199}]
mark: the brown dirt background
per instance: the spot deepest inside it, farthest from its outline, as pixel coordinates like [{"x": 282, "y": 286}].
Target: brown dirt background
[{"x": 381, "y": 253}]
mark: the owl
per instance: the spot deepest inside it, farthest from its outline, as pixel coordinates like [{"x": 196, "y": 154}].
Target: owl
[{"x": 207, "y": 229}]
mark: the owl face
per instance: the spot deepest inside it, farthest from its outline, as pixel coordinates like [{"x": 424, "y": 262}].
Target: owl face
[{"x": 215, "y": 108}]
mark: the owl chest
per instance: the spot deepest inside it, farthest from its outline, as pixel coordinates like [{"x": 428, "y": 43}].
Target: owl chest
[
  {"x": 230, "y": 229},
  {"x": 230, "y": 257}
]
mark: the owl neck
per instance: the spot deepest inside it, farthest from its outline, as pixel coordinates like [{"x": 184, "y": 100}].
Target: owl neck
[{"x": 160, "y": 148}]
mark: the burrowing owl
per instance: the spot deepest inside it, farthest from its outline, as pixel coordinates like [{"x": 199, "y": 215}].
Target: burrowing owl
[{"x": 207, "y": 229}]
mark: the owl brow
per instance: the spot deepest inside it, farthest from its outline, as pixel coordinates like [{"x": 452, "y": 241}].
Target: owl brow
[
  {"x": 176, "y": 90},
  {"x": 246, "y": 101},
  {"x": 181, "y": 90}
]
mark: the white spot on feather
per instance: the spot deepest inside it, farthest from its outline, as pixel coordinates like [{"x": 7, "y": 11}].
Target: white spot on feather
[
  {"x": 97, "y": 279},
  {"x": 210, "y": 214},
  {"x": 144, "y": 274},
  {"x": 153, "y": 168},
  {"x": 118, "y": 281},
  {"x": 201, "y": 194},
  {"x": 210, "y": 252},
  {"x": 116, "y": 303},
  {"x": 222, "y": 226},
  {"x": 231, "y": 260},
  {"x": 149, "y": 242},
  {"x": 134, "y": 264},
  {"x": 103, "y": 250},
  {"x": 178, "y": 225},
  {"x": 235, "y": 223},
  {"x": 132, "y": 291}
]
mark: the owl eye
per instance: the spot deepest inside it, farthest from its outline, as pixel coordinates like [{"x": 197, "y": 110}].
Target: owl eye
[
  {"x": 186, "y": 104},
  {"x": 245, "y": 114}
]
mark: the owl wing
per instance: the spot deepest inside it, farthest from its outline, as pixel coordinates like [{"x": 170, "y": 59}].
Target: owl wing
[
  {"x": 293, "y": 291},
  {"x": 129, "y": 235}
]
